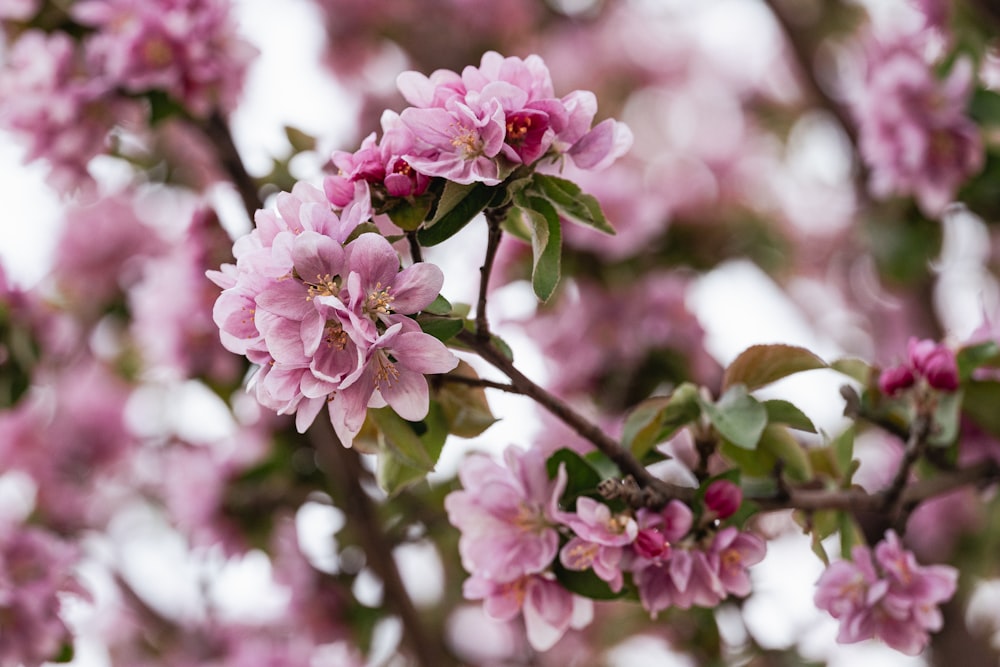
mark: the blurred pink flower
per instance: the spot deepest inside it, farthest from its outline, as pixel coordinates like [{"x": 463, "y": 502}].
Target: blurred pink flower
[
  {"x": 914, "y": 133},
  {"x": 890, "y": 597}
]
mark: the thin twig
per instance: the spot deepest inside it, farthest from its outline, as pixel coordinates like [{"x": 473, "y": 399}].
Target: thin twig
[
  {"x": 915, "y": 445},
  {"x": 415, "y": 254},
  {"x": 493, "y": 219},
  {"x": 583, "y": 427},
  {"x": 478, "y": 382}
]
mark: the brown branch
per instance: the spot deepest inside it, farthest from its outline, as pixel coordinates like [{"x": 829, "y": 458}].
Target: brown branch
[
  {"x": 583, "y": 427},
  {"x": 415, "y": 254},
  {"x": 493, "y": 219},
  {"x": 478, "y": 382},
  {"x": 216, "y": 129},
  {"x": 344, "y": 466}
]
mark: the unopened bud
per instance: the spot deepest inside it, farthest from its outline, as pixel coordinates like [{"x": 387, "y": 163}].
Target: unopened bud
[{"x": 723, "y": 497}]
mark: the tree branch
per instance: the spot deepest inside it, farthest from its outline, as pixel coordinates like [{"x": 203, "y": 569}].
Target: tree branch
[
  {"x": 216, "y": 129},
  {"x": 493, "y": 219},
  {"x": 583, "y": 427},
  {"x": 344, "y": 465}
]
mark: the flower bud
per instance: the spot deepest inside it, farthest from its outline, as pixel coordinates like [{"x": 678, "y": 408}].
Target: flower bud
[
  {"x": 723, "y": 497},
  {"x": 651, "y": 544},
  {"x": 894, "y": 380},
  {"x": 940, "y": 369}
]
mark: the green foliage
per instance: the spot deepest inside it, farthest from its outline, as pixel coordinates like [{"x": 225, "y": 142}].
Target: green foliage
[
  {"x": 760, "y": 365},
  {"x": 465, "y": 408},
  {"x": 972, "y": 357},
  {"x": 585, "y": 583},
  {"x": 784, "y": 412},
  {"x": 777, "y": 441},
  {"x": 737, "y": 416},
  {"x": 583, "y": 477},
  {"x": 546, "y": 244},
  {"x": 571, "y": 202},
  {"x": 657, "y": 419},
  {"x": 980, "y": 401},
  {"x": 407, "y": 451},
  {"x": 458, "y": 205}
]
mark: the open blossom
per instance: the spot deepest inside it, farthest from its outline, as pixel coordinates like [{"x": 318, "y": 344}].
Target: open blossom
[
  {"x": 670, "y": 570},
  {"x": 478, "y": 125},
  {"x": 327, "y": 323},
  {"x": 600, "y": 536},
  {"x": 48, "y": 99},
  {"x": 914, "y": 132},
  {"x": 549, "y": 609},
  {"x": 186, "y": 48},
  {"x": 507, "y": 515},
  {"x": 890, "y": 597},
  {"x": 35, "y": 570}
]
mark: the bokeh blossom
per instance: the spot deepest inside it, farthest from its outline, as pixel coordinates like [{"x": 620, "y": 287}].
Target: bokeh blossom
[{"x": 889, "y": 596}]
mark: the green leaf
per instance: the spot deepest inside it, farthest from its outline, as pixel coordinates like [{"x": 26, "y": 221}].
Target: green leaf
[
  {"x": 458, "y": 205},
  {"x": 299, "y": 140},
  {"x": 737, "y": 416},
  {"x": 363, "y": 228},
  {"x": 975, "y": 356},
  {"x": 856, "y": 369},
  {"x": 570, "y": 201},
  {"x": 516, "y": 225},
  {"x": 65, "y": 654},
  {"x": 407, "y": 450},
  {"x": 442, "y": 328},
  {"x": 656, "y": 419},
  {"x": 439, "y": 306},
  {"x": 582, "y": 478},
  {"x": 777, "y": 440},
  {"x": 465, "y": 408},
  {"x": 752, "y": 463},
  {"x": 546, "y": 245},
  {"x": 401, "y": 437},
  {"x": 585, "y": 583},
  {"x": 985, "y": 107},
  {"x": 760, "y": 365},
  {"x": 980, "y": 403},
  {"x": 850, "y": 534},
  {"x": 605, "y": 467},
  {"x": 784, "y": 412},
  {"x": 409, "y": 215},
  {"x": 843, "y": 452}
]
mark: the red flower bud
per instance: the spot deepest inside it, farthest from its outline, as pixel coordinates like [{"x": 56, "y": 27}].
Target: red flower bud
[
  {"x": 894, "y": 380},
  {"x": 723, "y": 497}
]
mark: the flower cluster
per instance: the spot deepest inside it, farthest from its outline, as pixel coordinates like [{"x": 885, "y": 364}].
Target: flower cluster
[
  {"x": 890, "y": 596},
  {"x": 914, "y": 132},
  {"x": 512, "y": 529},
  {"x": 326, "y": 320},
  {"x": 478, "y": 126},
  {"x": 933, "y": 363},
  {"x": 63, "y": 94},
  {"x": 35, "y": 570}
]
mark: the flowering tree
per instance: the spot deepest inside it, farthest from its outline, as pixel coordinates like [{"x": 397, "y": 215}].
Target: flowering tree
[{"x": 844, "y": 152}]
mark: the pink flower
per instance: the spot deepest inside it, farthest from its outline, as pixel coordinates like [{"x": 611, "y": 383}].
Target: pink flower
[
  {"x": 891, "y": 597},
  {"x": 507, "y": 515},
  {"x": 480, "y": 125},
  {"x": 914, "y": 134},
  {"x": 328, "y": 324},
  {"x": 731, "y": 553},
  {"x": 186, "y": 48},
  {"x": 35, "y": 571},
  {"x": 600, "y": 536},
  {"x": 549, "y": 609}
]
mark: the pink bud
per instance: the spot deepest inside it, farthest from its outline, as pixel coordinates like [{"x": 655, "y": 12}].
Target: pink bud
[
  {"x": 650, "y": 543},
  {"x": 894, "y": 380},
  {"x": 723, "y": 497},
  {"x": 940, "y": 369}
]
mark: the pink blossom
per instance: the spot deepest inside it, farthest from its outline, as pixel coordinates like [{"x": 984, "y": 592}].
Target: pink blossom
[
  {"x": 328, "y": 324},
  {"x": 480, "y": 125},
  {"x": 549, "y": 609},
  {"x": 890, "y": 597},
  {"x": 731, "y": 553},
  {"x": 186, "y": 48},
  {"x": 50, "y": 100},
  {"x": 507, "y": 515},
  {"x": 35, "y": 570},
  {"x": 914, "y": 134},
  {"x": 600, "y": 536}
]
